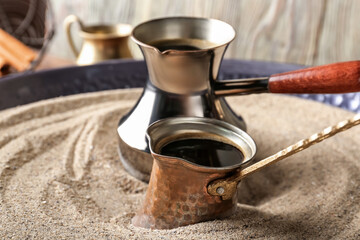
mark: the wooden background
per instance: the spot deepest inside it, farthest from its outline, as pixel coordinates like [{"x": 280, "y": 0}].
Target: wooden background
[{"x": 310, "y": 32}]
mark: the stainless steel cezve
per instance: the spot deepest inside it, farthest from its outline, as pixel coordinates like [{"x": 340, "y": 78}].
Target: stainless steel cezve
[
  {"x": 183, "y": 82},
  {"x": 179, "y": 84}
]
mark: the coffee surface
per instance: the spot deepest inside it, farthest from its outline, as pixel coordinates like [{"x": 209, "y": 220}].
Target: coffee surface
[
  {"x": 204, "y": 152},
  {"x": 181, "y": 44}
]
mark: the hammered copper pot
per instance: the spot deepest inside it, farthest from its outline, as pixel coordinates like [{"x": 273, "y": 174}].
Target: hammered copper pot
[
  {"x": 177, "y": 193},
  {"x": 182, "y": 192}
]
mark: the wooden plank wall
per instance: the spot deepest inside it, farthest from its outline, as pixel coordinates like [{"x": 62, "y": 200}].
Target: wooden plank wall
[{"x": 308, "y": 32}]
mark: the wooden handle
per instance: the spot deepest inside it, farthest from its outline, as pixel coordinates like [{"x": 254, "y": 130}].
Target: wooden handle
[{"x": 341, "y": 77}]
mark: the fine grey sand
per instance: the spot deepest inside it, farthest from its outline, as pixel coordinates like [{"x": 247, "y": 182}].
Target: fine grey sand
[{"x": 61, "y": 178}]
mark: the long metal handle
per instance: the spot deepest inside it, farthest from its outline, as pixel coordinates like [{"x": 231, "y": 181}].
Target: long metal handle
[
  {"x": 343, "y": 77},
  {"x": 241, "y": 86},
  {"x": 69, "y": 20},
  {"x": 226, "y": 188}
]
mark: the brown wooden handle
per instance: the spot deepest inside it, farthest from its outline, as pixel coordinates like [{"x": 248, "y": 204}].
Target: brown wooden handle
[{"x": 341, "y": 77}]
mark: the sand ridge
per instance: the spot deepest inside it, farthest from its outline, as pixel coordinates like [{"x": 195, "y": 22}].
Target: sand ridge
[{"x": 60, "y": 176}]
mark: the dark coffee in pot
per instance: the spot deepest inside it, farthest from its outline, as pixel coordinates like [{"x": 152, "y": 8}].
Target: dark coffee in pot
[
  {"x": 204, "y": 152},
  {"x": 181, "y": 44}
]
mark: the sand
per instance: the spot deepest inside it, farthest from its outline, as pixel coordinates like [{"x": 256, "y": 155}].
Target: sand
[{"x": 60, "y": 176}]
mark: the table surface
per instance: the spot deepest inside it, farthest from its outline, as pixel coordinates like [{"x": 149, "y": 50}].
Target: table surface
[{"x": 53, "y": 62}]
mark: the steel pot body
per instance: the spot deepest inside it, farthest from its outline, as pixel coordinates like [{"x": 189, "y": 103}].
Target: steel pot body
[{"x": 180, "y": 83}]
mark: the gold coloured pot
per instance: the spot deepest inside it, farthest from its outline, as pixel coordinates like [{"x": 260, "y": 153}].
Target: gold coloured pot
[{"x": 100, "y": 42}]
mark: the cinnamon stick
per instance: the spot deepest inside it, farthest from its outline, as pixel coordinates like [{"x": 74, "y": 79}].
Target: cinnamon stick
[
  {"x": 2, "y": 62},
  {"x": 13, "y": 60},
  {"x": 3, "y": 65},
  {"x": 16, "y": 47}
]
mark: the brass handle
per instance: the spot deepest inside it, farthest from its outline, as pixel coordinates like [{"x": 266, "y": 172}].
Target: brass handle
[
  {"x": 69, "y": 20},
  {"x": 226, "y": 188}
]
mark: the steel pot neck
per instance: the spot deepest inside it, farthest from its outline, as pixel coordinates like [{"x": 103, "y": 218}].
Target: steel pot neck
[{"x": 183, "y": 71}]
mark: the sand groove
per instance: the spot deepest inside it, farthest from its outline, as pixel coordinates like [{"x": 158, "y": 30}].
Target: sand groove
[{"x": 60, "y": 177}]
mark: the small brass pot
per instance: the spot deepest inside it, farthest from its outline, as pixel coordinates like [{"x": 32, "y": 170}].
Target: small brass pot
[{"x": 101, "y": 42}]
